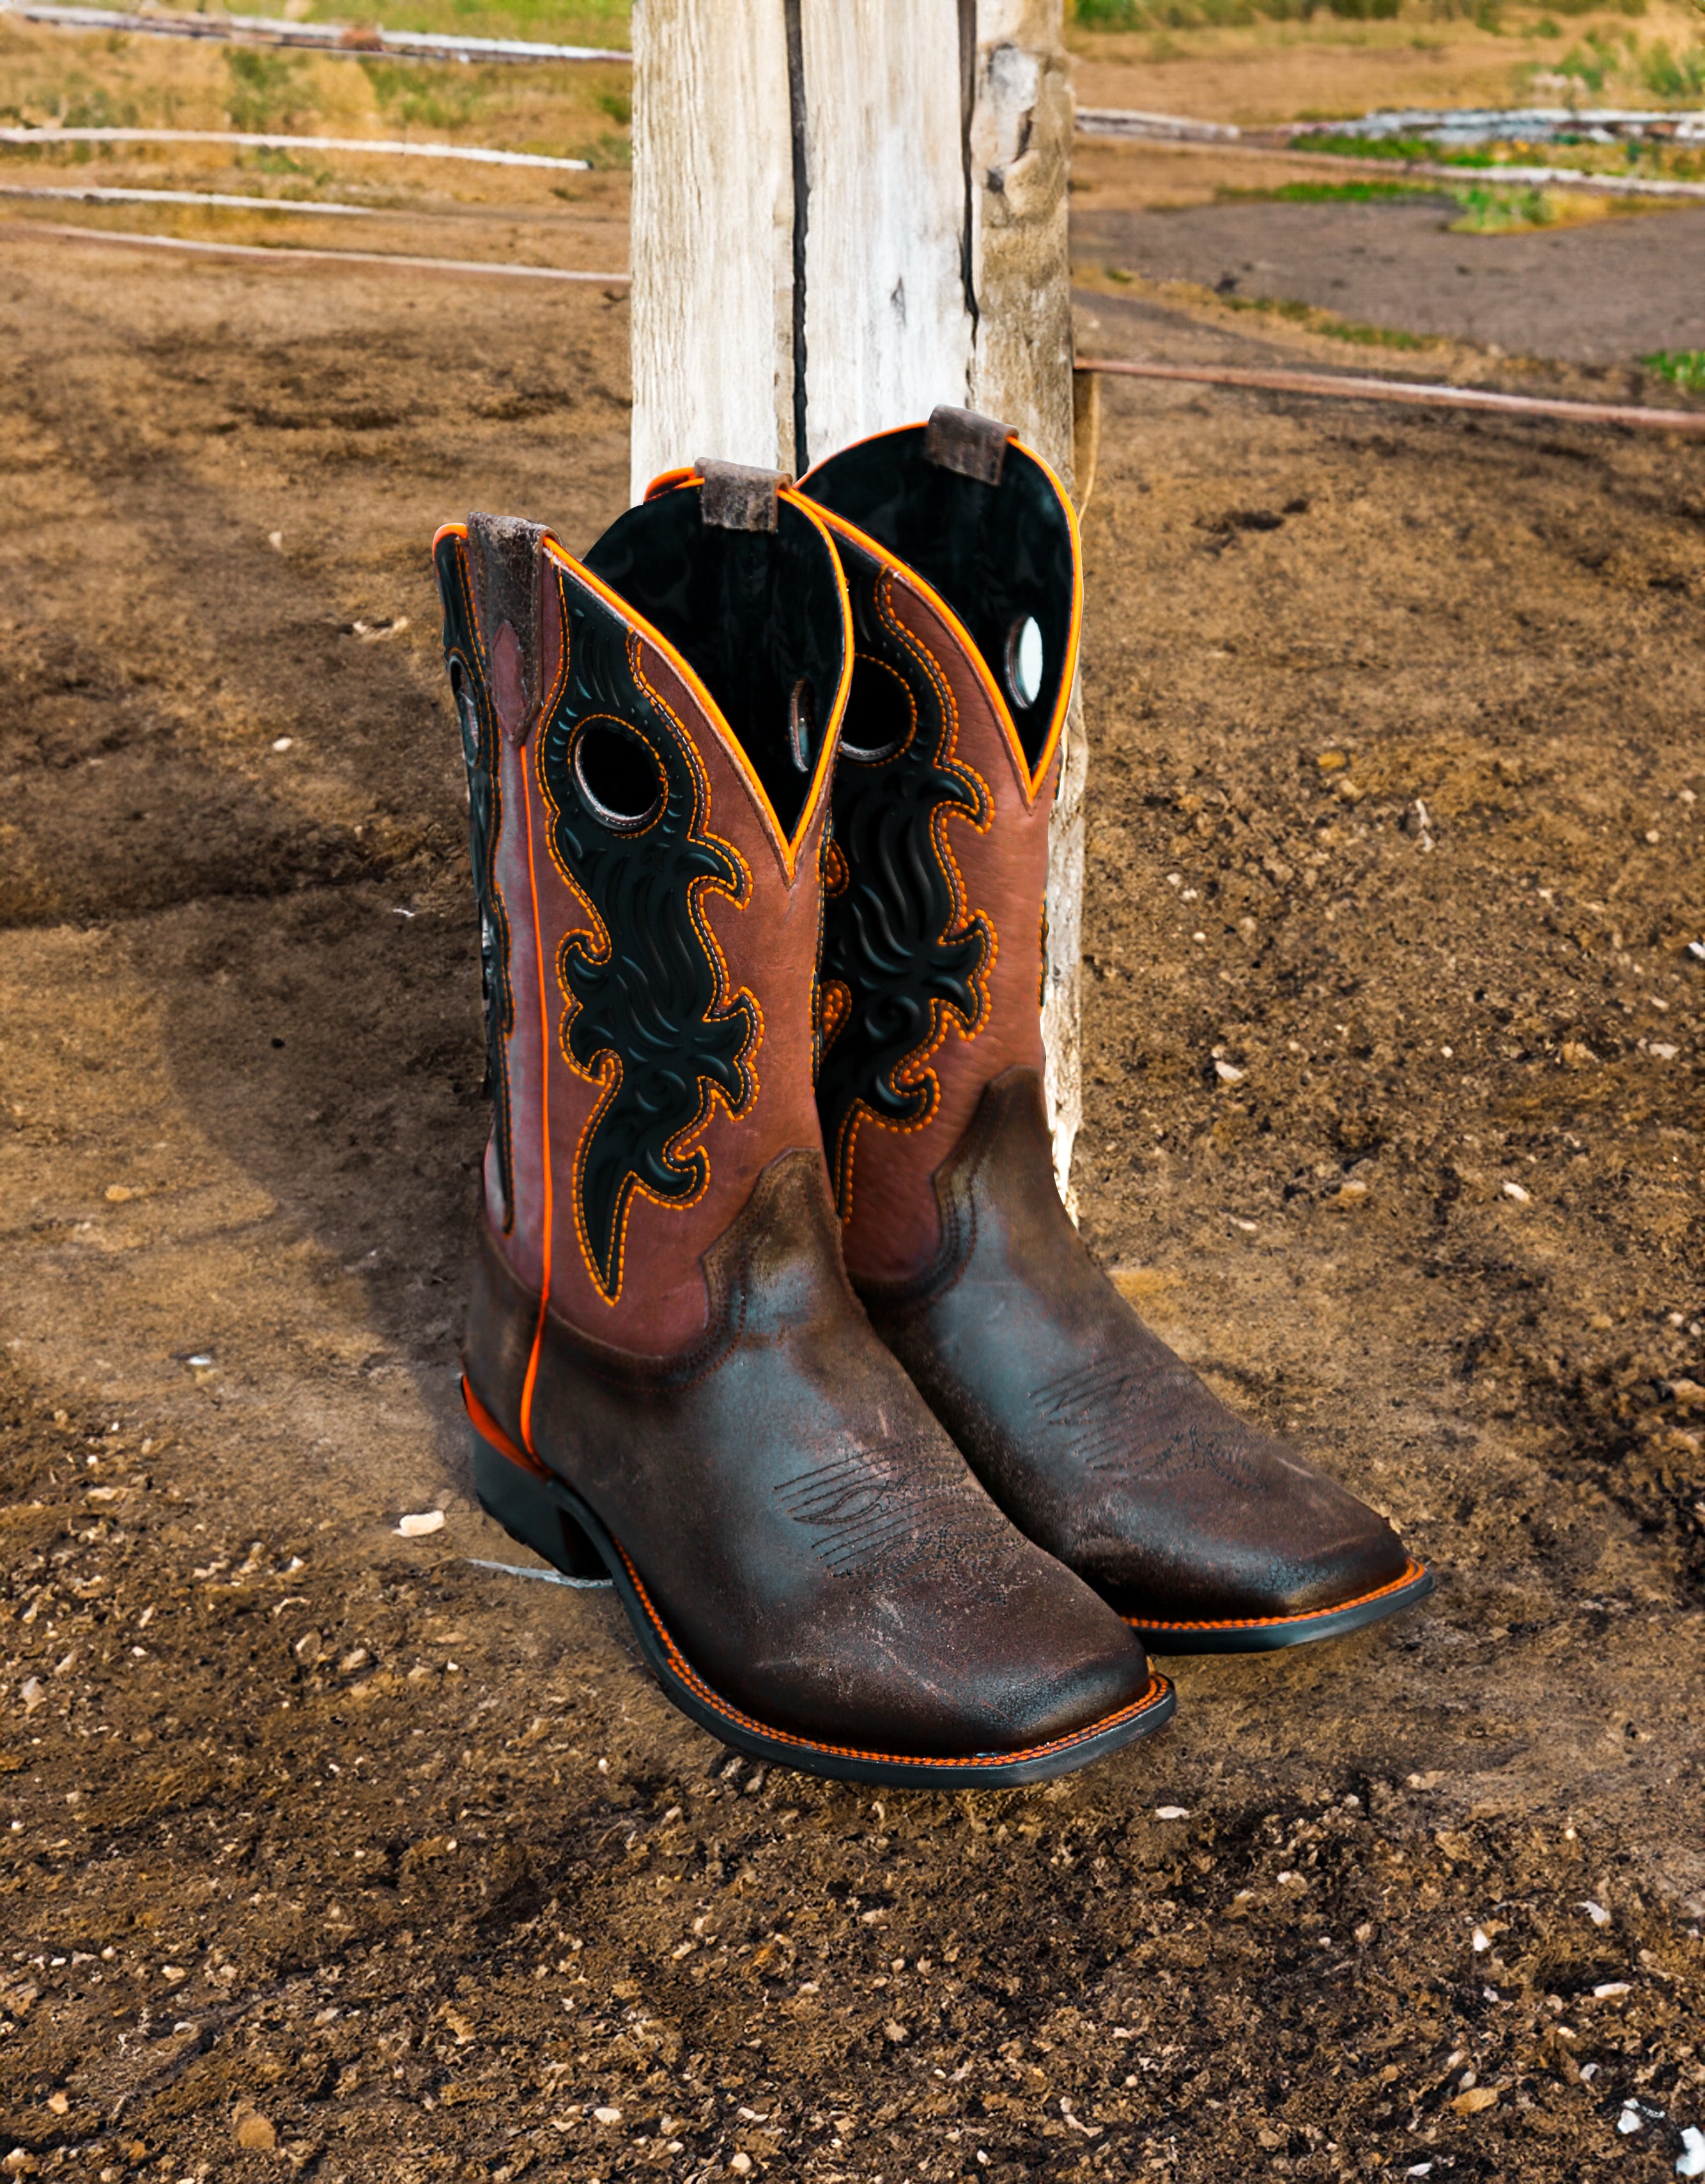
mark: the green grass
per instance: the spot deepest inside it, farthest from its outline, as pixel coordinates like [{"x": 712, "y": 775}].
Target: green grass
[
  {"x": 1682, "y": 367},
  {"x": 1341, "y": 193},
  {"x": 1502, "y": 212},
  {"x": 1327, "y": 323}
]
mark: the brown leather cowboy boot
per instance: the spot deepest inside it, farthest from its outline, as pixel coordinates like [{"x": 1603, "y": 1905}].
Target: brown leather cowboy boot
[
  {"x": 670, "y": 1378},
  {"x": 1208, "y": 1535}
]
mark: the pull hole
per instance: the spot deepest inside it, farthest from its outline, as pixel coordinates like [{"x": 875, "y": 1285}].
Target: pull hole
[
  {"x": 1025, "y": 662},
  {"x": 618, "y": 776}
]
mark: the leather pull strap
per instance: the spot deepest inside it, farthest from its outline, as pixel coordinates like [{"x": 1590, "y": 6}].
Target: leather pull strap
[
  {"x": 960, "y": 440},
  {"x": 737, "y": 498},
  {"x": 503, "y": 564}
]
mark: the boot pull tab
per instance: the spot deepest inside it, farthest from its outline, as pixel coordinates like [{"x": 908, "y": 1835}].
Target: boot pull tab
[
  {"x": 960, "y": 440},
  {"x": 737, "y": 498},
  {"x": 502, "y": 562}
]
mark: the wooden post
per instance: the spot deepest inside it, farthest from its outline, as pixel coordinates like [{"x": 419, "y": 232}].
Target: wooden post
[{"x": 845, "y": 212}]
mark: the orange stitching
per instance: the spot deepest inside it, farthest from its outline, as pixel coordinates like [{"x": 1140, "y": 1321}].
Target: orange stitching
[
  {"x": 1269, "y": 1622},
  {"x": 608, "y": 1078},
  {"x": 837, "y": 1007},
  {"x": 734, "y": 749},
  {"x": 1155, "y": 1691},
  {"x": 1074, "y": 630},
  {"x": 911, "y": 1073}
]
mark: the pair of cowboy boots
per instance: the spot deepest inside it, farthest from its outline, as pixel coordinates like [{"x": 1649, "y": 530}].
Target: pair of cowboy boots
[{"x": 778, "y": 1320}]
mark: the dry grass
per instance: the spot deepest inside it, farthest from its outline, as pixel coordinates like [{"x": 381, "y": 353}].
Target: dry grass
[{"x": 1333, "y": 69}]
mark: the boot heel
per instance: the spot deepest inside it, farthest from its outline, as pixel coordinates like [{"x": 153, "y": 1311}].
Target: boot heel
[{"x": 528, "y": 1511}]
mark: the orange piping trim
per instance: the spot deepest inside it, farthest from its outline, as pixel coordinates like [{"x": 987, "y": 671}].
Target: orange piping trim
[
  {"x": 1269, "y": 1622},
  {"x": 1033, "y": 782},
  {"x": 1153, "y": 1693},
  {"x": 486, "y": 1427},
  {"x": 544, "y": 1116},
  {"x": 787, "y": 851}
]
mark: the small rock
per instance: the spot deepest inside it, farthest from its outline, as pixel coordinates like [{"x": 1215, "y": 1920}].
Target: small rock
[
  {"x": 253, "y": 2132},
  {"x": 1476, "y": 2101},
  {"x": 607, "y": 2115},
  {"x": 1172, "y": 1811},
  {"x": 308, "y": 1647},
  {"x": 895, "y": 2030},
  {"x": 417, "y": 1526},
  {"x": 1692, "y": 2160},
  {"x": 1597, "y": 1913},
  {"x": 741, "y": 2164},
  {"x": 1630, "y": 2120},
  {"x": 1575, "y": 1056},
  {"x": 351, "y": 1662},
  {"x": 282, "y": 743},
  {"x": 1610, "y": 1990},
  {"x": 1515, "y": 1191},
  {"x": 1351, "y": 1194},
  {"x": 1229, "y": 1072},
  {"x": 1664, "y": 1052},
  {"x": 1332, "y": 762},
  {"x": 59, "y": 2103},
  {"x": 118, "y": 1193},
  {"x": 34, "y": 1694},
  {"x": 1483, "y": 1939}
]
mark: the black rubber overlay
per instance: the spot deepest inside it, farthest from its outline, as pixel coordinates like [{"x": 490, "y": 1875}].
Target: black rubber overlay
[
  {"x": 999, "y": 554},
  {"x": 900, "y": 948},
  {"x": 476, "y": 716},
  {"x": 755, "y": 613},
  {"x": 648, "y": 1001}
]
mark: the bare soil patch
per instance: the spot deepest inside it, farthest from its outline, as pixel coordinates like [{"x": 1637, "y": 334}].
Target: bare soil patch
[
  {"x": 324, "y": 1840},
  {"x": 1607, "y": 294}
]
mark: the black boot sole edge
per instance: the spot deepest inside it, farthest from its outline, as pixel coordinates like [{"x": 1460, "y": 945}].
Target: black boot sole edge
[
  {"x": 549, "y": 1518},
  {"x": 1267, "y": 1634}
]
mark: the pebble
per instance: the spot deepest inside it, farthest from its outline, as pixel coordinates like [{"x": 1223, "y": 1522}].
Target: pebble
[
  {"x": 607, "y": 2115},
  {"x": 253, "y": 2131},
  {"x": 1172, "y": 1811},
  {"x": 1597, "y": 1913},
  {"x": 34, "y": 1694},
  {"x": 1229, "y": 1072},
  {"x": 416, "y": 1527},
  {"x": 1692, "y": 2160},
  {"x": 1515, "y": 1191},
  {"x": 1610, "y": 1990}
]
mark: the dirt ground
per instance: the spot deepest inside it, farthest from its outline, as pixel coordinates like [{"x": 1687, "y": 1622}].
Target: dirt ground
[
  {"x": 329, "y": 1851},
  {"x": 1607, "y": 293}
]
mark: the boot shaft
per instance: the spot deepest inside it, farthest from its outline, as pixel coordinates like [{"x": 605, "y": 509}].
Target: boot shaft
[
  {"x": 649, "y": 734},
  {"x": 962, "y": 557}
]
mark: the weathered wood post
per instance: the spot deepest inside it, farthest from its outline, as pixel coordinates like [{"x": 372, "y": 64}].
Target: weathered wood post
[{"x": 845, "y": 212}]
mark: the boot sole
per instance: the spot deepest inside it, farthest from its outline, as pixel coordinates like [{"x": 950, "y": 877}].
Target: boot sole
[
  {"x": 1266, "y": 1634},
  {"x": 543, "y": 1514}
]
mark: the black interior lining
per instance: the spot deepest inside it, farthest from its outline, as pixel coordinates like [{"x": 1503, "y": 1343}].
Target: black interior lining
[
  {"x": 755, "y": 613},
  {"x": 999, "y": 555}
]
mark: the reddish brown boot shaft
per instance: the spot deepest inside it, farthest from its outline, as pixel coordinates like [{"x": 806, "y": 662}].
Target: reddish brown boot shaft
[
  {"x": 962, "y": 557},
  {"x": 669, "y": 1374}
]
